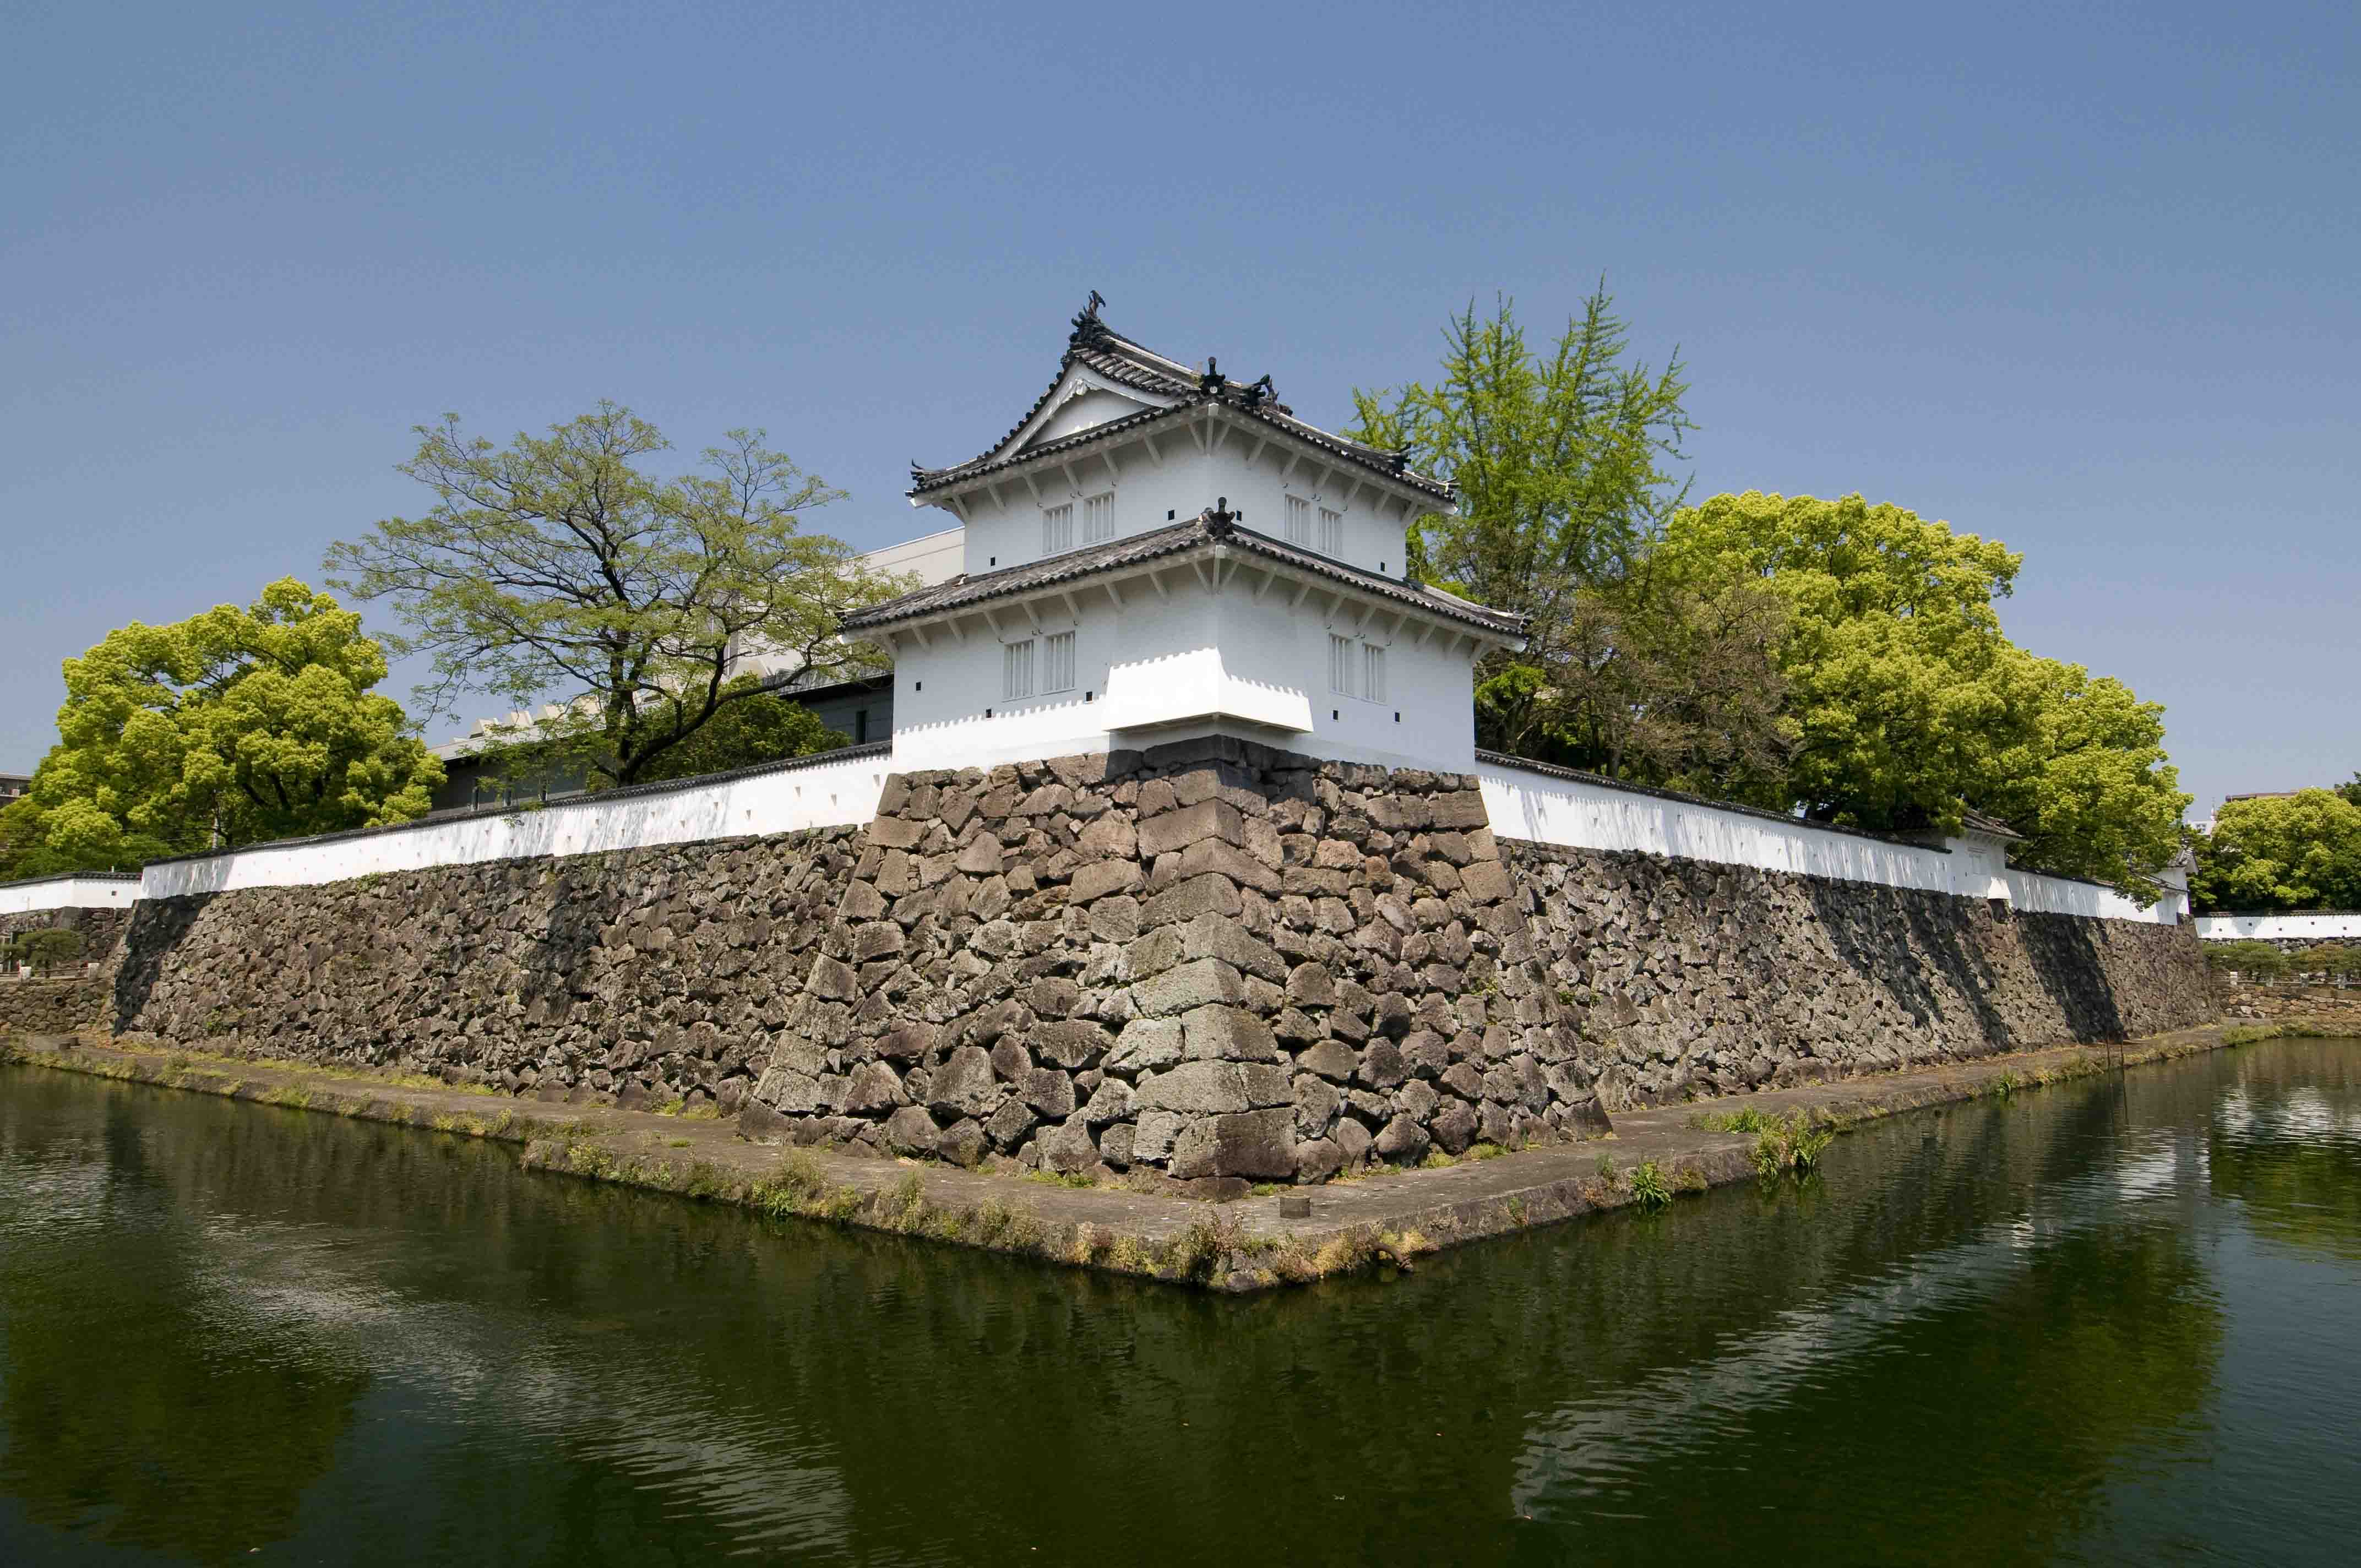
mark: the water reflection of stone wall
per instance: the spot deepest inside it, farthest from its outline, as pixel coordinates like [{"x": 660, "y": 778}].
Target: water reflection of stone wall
[
  {"x": 1691, "y": 976},
  {"x": 1210, "y": 960}
]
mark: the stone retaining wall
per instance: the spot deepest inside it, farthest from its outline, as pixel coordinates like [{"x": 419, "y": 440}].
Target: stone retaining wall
[
  {"x": 1211, "y": 961},
  {"x": 100, "y": 928},
  {"x": 647, "y": 975},
  {"x": 1691, "y": 977},
  {"x": 49, "y": 1007}
]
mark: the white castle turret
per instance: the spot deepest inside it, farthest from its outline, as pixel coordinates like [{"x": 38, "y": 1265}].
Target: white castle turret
[{"x": 1155, "y": 552}]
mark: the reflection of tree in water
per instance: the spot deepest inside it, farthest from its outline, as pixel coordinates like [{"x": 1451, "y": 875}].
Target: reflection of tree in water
[
  {"x": 142, "y": 1406},
  {"x": 2287, "y": 1145}
]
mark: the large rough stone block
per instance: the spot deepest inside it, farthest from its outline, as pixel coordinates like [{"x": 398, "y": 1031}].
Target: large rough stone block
[
  {"x": 1210, "y": 894},
  {"x": 1193, "y": 1088},
  {"x": 1177, "y": 830},
  {"x": 1071, "y": 1042},
  {"x": 1254, "y": 1144},
  {"x": 965, "y": 1085},
  {"x": 1146, "y": 1045},
  {"x": 1220, "y": 1033},
  {"x": 911, "y": 1131},
  {"x": 1218, "y": 936},
  {"x": 1067, "y": 1148},
  {"x": 1192, "y": 984},
  {"x": 1485, "y": 881},
  {"x": 1212, "y": 856},
  {"x": 1095, "y": 881}
]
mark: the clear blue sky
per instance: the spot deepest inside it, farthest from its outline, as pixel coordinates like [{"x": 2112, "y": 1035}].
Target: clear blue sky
[{"x": 2082, "y": 279}]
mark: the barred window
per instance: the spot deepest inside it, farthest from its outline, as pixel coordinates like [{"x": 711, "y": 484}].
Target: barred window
[
  {"x": 1331, "y": 532},
  {"x": 1299, "y": 521},
  {"x": 1057, "y": 529},
  {"x": 1058, "y": 662},
  {"x": 1340, "y": 664},
  {"x": 1373, "y": 671},
  {"x": 1098, "y": 519},
  {"x": 1016, "y": 669}
]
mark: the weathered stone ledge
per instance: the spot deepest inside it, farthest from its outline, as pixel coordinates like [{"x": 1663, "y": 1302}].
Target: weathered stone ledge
[{"x": 1244, "y": 1246}]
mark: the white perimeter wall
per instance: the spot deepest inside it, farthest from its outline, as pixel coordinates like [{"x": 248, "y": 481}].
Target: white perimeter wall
[
  {"x": 827, "y": 795},
  {"x": 2278, "y": 927},
  {"x": 1585, "y": 816},
  {"x": 68, "y": 892}
]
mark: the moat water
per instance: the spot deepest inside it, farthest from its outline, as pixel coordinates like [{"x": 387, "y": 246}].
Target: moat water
[{"x": 2114, "y": 1322}]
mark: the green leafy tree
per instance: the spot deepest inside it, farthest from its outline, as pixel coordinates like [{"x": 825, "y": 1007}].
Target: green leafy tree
[
  {"x": 236, "y": 725},
  {"x": 1657, "y": 682},
  {"x": 1559, "y": 459},
  {"x": 755, "y": 727},
  {"x": 1899, "y": 677},
  {"x": 2299, "y": 851},
  {"x": 46, "y": 949},
  {"x": 2088, "y": 781},
  {"x": 2253, "y": 962},
  {"x": 1909, "y": 703},
  {"x": 2351, "y": 789},
  {"x": 557, "y": 568}
]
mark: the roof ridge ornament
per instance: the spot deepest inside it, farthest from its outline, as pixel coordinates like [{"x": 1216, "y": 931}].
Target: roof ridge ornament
[
  {"x": 1218, "y": 518},
  {"x": 1212, "y": 381},
  {"x": 1089, "y": 331}
]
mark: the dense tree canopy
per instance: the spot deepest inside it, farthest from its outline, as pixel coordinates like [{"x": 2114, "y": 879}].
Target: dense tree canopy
[
  {"x": 1911, "y": 704},
  {"x": 1839, "y": 658},
  {"x": 761, "y": 728},
  {"x": 557, "y": 568},
  {"x": 237, "y": 724},
  {"x": 2297, "y": 851},
  {"x": 1653, "y": 680}
]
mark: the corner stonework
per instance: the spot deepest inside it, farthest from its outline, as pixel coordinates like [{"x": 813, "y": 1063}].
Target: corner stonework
[{"x": 1209, "y": 959}]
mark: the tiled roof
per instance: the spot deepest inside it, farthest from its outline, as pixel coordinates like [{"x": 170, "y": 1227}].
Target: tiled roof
[
  {"x": 1204, "y": 530},
  {"x": 1977, "y": 822},
  {"x": 1127, "y": 364}
]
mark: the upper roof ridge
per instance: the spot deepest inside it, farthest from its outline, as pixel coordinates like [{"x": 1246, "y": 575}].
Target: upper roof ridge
[{"x": 1126, "y": 362}]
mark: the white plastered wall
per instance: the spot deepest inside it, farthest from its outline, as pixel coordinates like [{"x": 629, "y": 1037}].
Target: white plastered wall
[
  {"x": 1580, "y": 814},
  {"x": 2279, "y": 927},
  {"x": 826, "y": 795},
  {"x": 1176, "y": 478},
  {"x": 68, "y": 893},
  {"x": 1156, "y": 665}
]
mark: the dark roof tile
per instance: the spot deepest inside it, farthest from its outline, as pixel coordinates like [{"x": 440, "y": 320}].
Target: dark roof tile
[
  {"x": 1128, "y": 364},
  {"x": 1174, "y": 539}
]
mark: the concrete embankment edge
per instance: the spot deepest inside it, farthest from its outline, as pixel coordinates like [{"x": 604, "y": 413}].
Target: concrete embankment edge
[{"x": 1239, "y": 1247}]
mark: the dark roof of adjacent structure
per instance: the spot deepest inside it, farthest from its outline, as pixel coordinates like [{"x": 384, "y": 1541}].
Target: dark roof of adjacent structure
[
  {"x": 1975, "y": 821},
  {"x": 1207, "y": 527},
  {"x": 1127, "y": 364}
]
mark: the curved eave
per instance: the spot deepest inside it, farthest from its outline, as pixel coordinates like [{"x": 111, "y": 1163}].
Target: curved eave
[{"x": 1178, "y": 544}]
